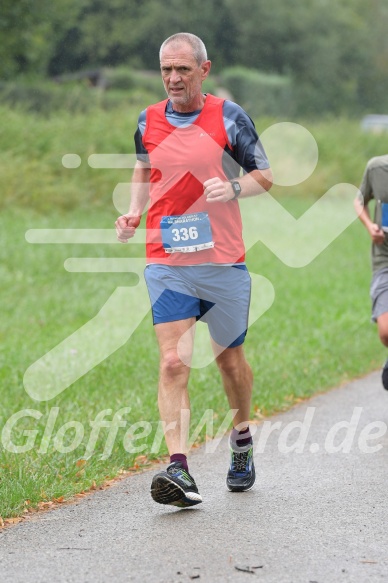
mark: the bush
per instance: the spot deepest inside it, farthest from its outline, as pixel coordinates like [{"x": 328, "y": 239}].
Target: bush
[
  {"x": 74, "y": 92},
  {"x": 47, "y": 97},
  {"x": 119, "y": 87},
  {"x": 120, "y": 78},
  {"x": 126, "y": 79},
  {"x": 260, "y": 94}
]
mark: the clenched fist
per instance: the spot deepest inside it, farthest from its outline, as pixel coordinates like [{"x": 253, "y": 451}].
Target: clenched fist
[{"x": 126, "y": 226}]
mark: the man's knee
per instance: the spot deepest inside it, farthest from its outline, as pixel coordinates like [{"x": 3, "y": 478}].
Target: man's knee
[
  {"x": 382, "y": 324},
  {"x": 171, "y": 363},
  {"x": 384, "y": 336}
]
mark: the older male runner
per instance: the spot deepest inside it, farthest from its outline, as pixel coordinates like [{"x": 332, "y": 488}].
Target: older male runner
[{"x": 190, "y": 149}]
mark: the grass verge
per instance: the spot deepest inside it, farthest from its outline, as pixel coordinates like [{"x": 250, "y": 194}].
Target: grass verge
[{"x": 316, "y": 335}]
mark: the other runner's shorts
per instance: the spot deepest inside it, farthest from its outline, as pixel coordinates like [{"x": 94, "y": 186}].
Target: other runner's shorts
[
  {"x": 216, "y": 294},
  {"x": 379, "y": 293}
]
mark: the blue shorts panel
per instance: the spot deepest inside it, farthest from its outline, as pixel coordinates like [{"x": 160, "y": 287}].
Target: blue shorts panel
[
  {"x": 172, "y": 305},
  {"x": 217, "y": 295}
]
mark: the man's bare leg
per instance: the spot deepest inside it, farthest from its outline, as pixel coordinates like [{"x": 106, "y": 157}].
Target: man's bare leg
[
  {"x": 382, "y": 326},
  {"x": 237, "y": 379},
  {"x": 175, "y": 485},
  {"x": 173, "y": 396}
]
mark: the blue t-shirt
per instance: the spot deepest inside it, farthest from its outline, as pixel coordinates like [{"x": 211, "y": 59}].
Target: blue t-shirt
[{"x": 248, "y": 152}]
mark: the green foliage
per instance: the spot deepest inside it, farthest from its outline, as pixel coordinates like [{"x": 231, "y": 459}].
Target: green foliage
[
  {"x": 29, "y": 31},
  {"x": 121, "y": 78},
  {"x": 373, "y": 78},
  {"x": 150, "y": 82},
  {"x": 31, "y": 168},
  {"x": 330, "y": 62},
  {"x": 333, "y": 51},
  {"x": 129, "y": 31},
  {"x": 33, "y": 146},
  {"x": 333, "y": 54},
  {"x": 121, "y": 87},
  {"x": 47, "y": 97},
  {"x": 260, "y": 94}
]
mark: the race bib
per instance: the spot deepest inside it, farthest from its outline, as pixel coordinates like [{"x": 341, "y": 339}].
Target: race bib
[
  {"x": 384, "y": 216},
  {"x": 186, "y": 233}
]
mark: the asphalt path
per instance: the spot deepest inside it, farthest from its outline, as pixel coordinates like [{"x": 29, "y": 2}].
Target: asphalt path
[{"x": 317, "y": 513}]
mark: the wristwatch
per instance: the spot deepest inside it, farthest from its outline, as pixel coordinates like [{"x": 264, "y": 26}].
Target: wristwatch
[{"x": 236, "y": 188}]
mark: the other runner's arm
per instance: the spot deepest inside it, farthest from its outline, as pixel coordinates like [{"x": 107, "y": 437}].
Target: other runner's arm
[
  {"x": 126, "y": 224},
  {"x": 377, "y": 234},
  {"x": 362, "y": 200}
]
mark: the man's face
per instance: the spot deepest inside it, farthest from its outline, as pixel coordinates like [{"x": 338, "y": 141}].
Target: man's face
[{"x": 182, "y": 76}]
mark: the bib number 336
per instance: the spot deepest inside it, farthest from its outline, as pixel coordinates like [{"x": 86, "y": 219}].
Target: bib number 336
[{"x": 186, "y": 233}]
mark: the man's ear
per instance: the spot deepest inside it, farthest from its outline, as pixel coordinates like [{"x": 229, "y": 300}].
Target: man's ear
[{"x": 206, "y": 66}]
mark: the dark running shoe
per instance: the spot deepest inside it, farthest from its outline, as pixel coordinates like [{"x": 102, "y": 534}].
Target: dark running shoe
[
  {"x": 384, "y": 376},
  {"x": 241, "y": 475},
  {"x": 175, "y": 486}
]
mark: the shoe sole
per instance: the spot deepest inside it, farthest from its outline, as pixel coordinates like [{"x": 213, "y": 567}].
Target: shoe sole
[
  {"x": 384, "y": 377},
  {"x": 166, "y": 491}
]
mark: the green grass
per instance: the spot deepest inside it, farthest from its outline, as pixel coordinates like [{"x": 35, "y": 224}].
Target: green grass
[{"x": 316, "y": 335}]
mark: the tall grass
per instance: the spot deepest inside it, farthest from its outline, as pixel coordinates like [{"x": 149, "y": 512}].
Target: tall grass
[{"x": 32, "y": 147}]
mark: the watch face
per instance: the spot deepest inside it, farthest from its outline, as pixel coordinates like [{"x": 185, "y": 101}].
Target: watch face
[{"x": 236, "y": 188}]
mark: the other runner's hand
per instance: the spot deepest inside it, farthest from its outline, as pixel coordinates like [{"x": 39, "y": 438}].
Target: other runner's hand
[
  {"x": 126, "y": 226},
  {"x": 377, "y": 234}
]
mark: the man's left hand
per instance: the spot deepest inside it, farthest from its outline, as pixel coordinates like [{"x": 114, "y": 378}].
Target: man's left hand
[{"x": 216, "y": 190}]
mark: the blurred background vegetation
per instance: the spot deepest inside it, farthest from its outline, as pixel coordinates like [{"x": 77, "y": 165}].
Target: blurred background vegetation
[{"x": 299, "y": 58}]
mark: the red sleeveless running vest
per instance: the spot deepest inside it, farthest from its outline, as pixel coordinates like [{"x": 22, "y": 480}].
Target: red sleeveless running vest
[{"x": 182, "y": 159}]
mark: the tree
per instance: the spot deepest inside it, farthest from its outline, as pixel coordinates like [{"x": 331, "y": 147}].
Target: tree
[
  {"x": 29, "y": 30},
  {"x": 335, "y": 53},
  {"x": 131, "y": 32}
]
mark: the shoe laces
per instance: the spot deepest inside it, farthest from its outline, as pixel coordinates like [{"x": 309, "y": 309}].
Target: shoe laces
[
  {"x": 177, "y": 469},
  {"x": 239, "y": 461}
]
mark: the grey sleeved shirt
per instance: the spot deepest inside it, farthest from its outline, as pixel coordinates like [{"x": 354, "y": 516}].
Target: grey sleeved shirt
[{"x": 374, "y": 186}]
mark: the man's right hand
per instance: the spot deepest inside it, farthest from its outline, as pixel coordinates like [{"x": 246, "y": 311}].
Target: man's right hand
[
  {"x": 126, "y": 226},
  {"x": 377, "y": 234}
]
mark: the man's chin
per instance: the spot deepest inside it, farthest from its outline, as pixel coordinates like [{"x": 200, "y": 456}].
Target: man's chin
[{"x": 178, "y": 99}]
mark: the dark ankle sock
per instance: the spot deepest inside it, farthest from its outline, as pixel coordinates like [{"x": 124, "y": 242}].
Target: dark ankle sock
[
  {"x": 242, "y": 438},
  {"x": 180, "y": 457}
]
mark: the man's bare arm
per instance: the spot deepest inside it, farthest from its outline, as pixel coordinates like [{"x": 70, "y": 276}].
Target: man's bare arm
[
  {"x": 126, "y": 224},
  {"x": 253, "y": 183}
]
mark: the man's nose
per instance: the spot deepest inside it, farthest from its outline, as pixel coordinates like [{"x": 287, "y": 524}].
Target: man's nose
[{"x": 175, "y": 76}]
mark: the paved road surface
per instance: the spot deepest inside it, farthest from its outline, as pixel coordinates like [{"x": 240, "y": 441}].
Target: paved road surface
[{"x": 313, "y": 516}]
